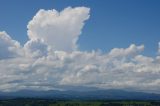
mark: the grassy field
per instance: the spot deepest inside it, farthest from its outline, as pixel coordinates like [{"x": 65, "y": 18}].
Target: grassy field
[{"x": 41, "y": 102}]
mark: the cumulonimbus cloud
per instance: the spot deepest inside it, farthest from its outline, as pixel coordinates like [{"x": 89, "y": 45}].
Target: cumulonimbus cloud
[
  {"x": 60, "y": 30},
  {"x": 50, "y": 58}
]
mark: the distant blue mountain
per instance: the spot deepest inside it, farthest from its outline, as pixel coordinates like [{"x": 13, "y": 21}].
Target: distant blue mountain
[{"x": 111, "y": 94}]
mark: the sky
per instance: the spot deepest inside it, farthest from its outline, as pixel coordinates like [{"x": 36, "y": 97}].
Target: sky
[
  {"x": 53, "y": 44},
  {"x": 113, "y": 23}
]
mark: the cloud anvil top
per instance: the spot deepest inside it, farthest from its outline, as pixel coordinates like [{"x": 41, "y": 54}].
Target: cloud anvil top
[{"x": 51, "y": 58}]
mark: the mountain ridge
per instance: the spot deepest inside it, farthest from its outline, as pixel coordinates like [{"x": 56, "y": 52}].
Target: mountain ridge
[{"x": 110, "y": 94}]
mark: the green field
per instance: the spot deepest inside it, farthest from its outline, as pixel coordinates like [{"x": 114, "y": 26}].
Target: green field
[{"x": 41, "y": 102}]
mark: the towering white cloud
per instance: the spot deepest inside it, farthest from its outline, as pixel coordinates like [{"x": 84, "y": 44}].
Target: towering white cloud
[{"x": 59, "y": 29}]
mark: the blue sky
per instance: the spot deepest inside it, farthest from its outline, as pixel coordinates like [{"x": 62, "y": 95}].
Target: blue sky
[{"x": 113, "y": 23}]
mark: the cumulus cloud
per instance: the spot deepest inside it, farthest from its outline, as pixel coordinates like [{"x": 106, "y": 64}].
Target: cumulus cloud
[
  {"x": 8, "y": 47},
  {"x": 159, "y": 47},
  {"x": 44, "y": 62},
  {"x": 91, "y": 69},
  {"x": 132, "y": 50},
  {"x": 36, "y": 48},
  {"x": 60, "y": 30}
]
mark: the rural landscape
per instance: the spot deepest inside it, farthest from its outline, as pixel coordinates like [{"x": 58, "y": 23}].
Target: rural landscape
[{"x": 42, "y": 102}]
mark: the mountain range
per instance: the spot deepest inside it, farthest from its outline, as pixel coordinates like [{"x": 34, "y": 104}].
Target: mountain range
[{"x": 110, "y": 94}]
